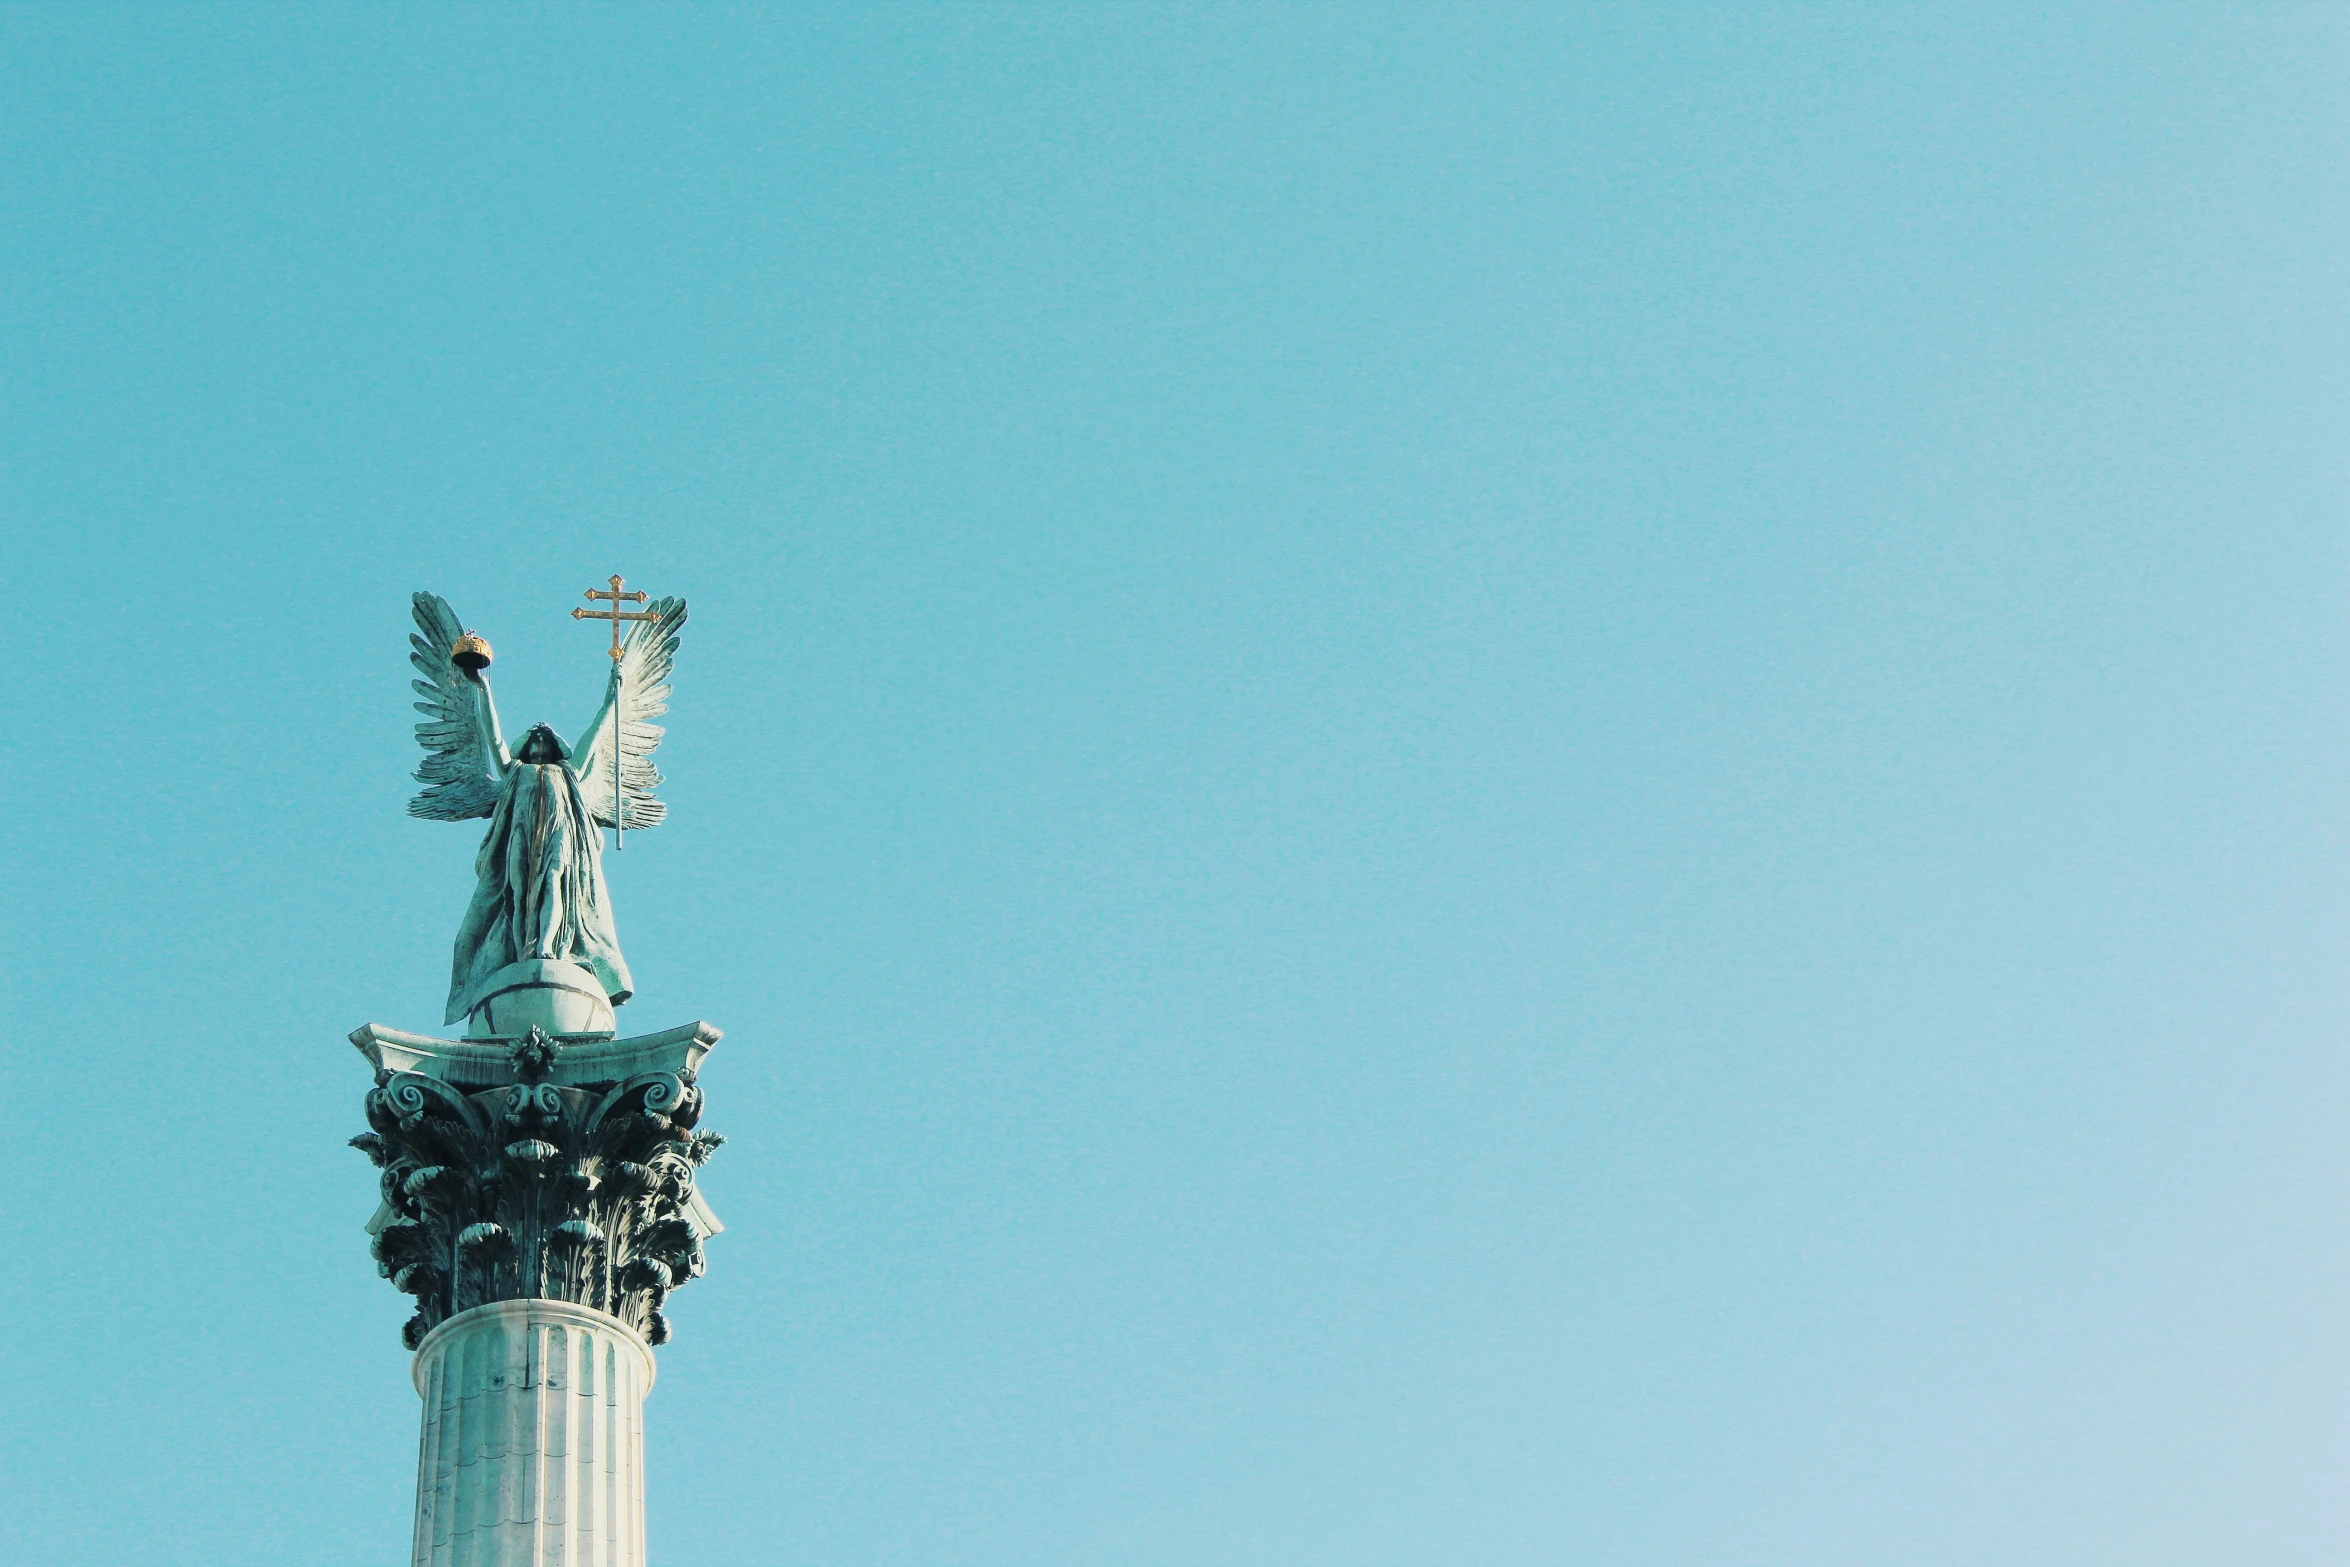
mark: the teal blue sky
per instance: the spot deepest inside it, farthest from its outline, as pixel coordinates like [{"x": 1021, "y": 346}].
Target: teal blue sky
[{"x": 1464, "y": 785}]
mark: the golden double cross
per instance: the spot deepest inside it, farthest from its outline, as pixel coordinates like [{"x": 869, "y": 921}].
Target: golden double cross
[
  {"x": 616, "y": 596},
  {"x": 615, "y": 614}
]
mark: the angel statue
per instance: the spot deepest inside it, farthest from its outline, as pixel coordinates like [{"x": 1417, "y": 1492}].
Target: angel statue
[{"x": 537, "y": 945}]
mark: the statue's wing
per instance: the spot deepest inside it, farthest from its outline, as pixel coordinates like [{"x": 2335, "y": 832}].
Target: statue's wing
[
  {"x": 628, "y": 726},
  {"x": 458, "y": 777}
]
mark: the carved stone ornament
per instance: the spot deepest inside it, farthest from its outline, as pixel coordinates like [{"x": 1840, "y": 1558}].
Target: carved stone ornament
[{"x": 538, "y": 1170}]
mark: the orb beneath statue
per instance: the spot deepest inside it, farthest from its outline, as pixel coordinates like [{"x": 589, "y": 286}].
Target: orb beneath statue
[{"x": 557, "y": 997}]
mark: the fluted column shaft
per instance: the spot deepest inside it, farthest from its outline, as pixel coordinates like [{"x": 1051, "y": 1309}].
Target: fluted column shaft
[{"x": 532, "y": 1453}]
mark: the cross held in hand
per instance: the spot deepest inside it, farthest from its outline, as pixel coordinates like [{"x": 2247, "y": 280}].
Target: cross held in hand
[{"x": 615, "y": 614}]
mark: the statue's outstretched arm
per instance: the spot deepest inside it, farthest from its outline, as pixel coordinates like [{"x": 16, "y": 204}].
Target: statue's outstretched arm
[
  {"x": 486, "y": 713},
  {"x": 589, "y": 736}
]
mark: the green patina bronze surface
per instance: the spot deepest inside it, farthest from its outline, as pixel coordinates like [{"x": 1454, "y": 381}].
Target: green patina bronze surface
[{"x": 539, "y": 895}]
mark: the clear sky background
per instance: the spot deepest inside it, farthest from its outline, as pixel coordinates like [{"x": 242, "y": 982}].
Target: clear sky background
[{"x": 1464, "y": 786}]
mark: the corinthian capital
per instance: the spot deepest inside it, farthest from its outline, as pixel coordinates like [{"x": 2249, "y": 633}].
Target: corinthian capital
[{"x": 538, "y": 1170}]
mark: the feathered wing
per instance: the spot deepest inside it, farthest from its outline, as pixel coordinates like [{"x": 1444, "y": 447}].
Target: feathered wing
[
  {"x": 645, "y": 657},
  {"x": 459, "y": 779}
]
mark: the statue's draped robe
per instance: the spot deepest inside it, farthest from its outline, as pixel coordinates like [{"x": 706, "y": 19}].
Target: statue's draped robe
[{"x": 539, "y": 889}]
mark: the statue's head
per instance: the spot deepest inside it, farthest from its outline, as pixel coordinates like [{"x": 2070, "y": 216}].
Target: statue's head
[{"x": 542, "y": 745}]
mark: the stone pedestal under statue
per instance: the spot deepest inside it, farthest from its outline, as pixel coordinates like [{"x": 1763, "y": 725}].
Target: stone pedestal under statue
[
  {"x": 555, "y": 997},
  {"x": 539, "y": 1203}
]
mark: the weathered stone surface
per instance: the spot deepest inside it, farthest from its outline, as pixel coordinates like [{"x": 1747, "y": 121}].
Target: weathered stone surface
[
  {"x": 584, "y": 1058},
  {"x": 532, "y": 1453},
  {"x": 542, "y": 1170}
]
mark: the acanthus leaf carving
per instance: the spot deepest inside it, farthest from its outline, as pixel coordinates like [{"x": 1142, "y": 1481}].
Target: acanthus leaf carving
[{"x": 532, "y": 1189}]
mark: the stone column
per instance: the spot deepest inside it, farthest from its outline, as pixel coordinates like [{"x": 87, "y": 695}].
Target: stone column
[
  {"x": 539, "y": 1203},
  {"x": 533, "y": 1445}
]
